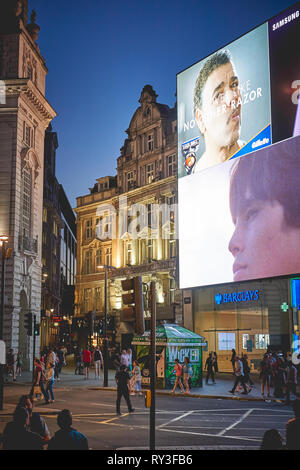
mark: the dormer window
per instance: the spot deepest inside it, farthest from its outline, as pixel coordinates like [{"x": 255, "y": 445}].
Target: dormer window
[
  {"x": 150, "y": 143},
  {"x": 147, "y": 112}
]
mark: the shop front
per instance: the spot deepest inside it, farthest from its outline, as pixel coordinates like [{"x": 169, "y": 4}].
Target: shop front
[{"x": 247, "y": 317}]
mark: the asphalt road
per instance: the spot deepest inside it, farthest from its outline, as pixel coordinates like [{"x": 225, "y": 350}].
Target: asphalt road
[{"x": 180, "y": 421}]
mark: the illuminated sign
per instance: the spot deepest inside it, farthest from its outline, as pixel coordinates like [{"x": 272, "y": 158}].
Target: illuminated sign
[{"x": 237, "y": 297}]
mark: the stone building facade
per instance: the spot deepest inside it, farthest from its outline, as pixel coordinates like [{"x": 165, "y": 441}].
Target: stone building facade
[
  {"x": 128, "y": 222},
  {"x": 24, "y": 116}
]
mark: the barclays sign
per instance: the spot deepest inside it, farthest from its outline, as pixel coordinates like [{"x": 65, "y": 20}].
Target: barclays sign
[{"x": 237, "y": 297}]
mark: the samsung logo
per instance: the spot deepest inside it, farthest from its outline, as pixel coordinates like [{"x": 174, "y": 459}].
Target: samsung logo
[{"x": 285, "y": 20}]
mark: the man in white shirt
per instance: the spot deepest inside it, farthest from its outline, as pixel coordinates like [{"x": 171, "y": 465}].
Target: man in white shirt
[
  {"x": 125, "y": 358},
  {"x": 239, "y": 376}
]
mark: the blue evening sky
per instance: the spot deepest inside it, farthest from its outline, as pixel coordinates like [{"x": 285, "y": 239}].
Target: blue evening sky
[{"x": 101, "y": 54}]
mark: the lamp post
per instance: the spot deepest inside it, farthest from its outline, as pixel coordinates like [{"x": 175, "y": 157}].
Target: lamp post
[
  {"x": 106, "y": 267},
  {"x": 3, "y": 241}
]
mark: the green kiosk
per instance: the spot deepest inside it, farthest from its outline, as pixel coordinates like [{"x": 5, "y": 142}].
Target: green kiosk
[{"x": 172, "y": 342}]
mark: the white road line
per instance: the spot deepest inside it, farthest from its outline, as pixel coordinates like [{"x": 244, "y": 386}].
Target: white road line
[
  {"x": 175, "y": 419},
  {"x": 236, "y": 423},
  {"x": 210, "y": 435}
]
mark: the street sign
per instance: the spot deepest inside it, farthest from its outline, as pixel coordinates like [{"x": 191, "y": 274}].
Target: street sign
[{"x": 2, "y": 353}]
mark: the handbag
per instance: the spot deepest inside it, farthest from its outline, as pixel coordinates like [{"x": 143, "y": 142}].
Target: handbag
[{"x": 37, "y": 390}]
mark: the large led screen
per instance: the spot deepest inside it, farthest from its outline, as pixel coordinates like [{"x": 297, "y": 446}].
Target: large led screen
[
  {"x": 239, "y": 158},
  {"x": 241, "y": 220}
]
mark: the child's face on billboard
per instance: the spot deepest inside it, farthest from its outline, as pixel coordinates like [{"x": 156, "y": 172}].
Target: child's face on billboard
[
  {"x": 262, "y": 244},
  {"x": 220, "y": 116}
]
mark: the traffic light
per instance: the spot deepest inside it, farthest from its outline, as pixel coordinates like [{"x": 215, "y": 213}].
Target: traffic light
[
  {"x": 28, "y": 323},
  {"x": 37, "y": 329},
  {"x": 90, "y": 317},
  {"x": 135, "y": 301}
]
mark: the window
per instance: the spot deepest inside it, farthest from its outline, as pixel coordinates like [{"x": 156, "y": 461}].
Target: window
[
  {"x": 150, "y": 143},
  {"x": 108, "y": 256},
  {"x": 44, "y": 238},
  {"x": 86, "y": 300},
  {"x": 28, "y": 135},
  {"x": 55, "y": 229},
  {"x": 262, "y": 341},
  {"x": 88, "y": 229},
  {"x": 226, "y": 341},
  {"x": 54, "y": 249},
  {"x": 171, "y": 165},
  {"x": 27, "y": 201},
  {"x": 149, "y": 250},
  {"x": 44, "y": 214},
  {"x": 129, "y": 253},
  {"x": 149, "y": 172},
  {"x": 245, "y": 339},
  {"x": 98, "y": 298},
  {"x": 88, "y": 262},
  {"x": 130, "y": 179},
  {"x": 98, "y": 257}
]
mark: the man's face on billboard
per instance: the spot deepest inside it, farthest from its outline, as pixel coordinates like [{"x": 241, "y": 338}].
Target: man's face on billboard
[
  {"x": 219, "y": 118},
  {"x": 262, "y": 244}
]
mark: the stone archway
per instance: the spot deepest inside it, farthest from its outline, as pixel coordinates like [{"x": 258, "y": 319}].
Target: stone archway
[{"x": 23, "y": 338}]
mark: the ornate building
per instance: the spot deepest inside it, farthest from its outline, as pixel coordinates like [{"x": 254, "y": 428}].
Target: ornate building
[
  {"x": 24, "y": 116},
  {"x": 128, "y": 222}
]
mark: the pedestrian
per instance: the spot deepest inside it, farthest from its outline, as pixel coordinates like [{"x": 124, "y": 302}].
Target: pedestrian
[
  {"x": 215, "y": 363},
  {"x": 117, "y": 361},
  {"x": 178, "y": 372},
  {"x": 209, "y": 366},
  {"x": 60, "y": 361},
  {"x": 247, "y": 370},
  {"x": 265, "y": 374},
  {"x": 37, "y": 424},
  {"x": 87, "y": 357},
  {"x": 129, "y": 354},
  {"x": 272, "y": 440},
  {"x": 39, "y": 380},
  {"x": 78, "y": 361},
  {"x": 98, "y": 361},
  {"x": 19, "y": 364},
  {"x": 123, "y": 383},
  {"x": 67, "y": 438},
  {"x": 293, "y": 429},
  {"x": 187, "y": 374},
  {"x": 137, "y": 378},
  {"x": 232, "y": 360},
  {"x": 124, "y": 359},
  {"x": 49, "y": 373},
  {"x": 291, "y": 381},
  {"x": 10, "y": 361},
  {"x": 239, "y": 376},
  {"x": 51, "y": 357},
  {"x": 280, "y": 377},
  {"x": 17, "y": 436}
]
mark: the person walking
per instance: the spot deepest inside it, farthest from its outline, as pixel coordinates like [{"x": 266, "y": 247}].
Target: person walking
[
  {"x": 78, "y": 361},
  {"x": 98, "y": 361},
  {"x": 60, "y": 361},
  {"x": 49, "y": 373},
  {"x": 129, "y": 354},
  {"x": 247, "y": 370},
  {"x": 19, "y": 364},
  {"x": 10, "y": 361},
  {"x": 187, "y": 374},
  {"x": 67, "y": 438},
  {"x": 280, "y": 377},
  {"x": 232, "y": 360},
  {"x": 124, "y": 361},
  {"x": 215, "y": 362},
  {"x": 209, "y": 366},
  {"x": 137, "y": 378},
  {"x": 39, "y": 380},
  {"x": 291, "y": 381},
  {"x": 265, "y": 375},
  {"x": 87, "y": 357},
  {"x": 178, "y": 372},
  {"x": 123, "y": 383},
  {"x": 239, "y": 376}
]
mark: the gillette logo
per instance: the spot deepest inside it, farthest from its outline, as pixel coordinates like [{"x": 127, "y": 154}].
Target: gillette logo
[
  {"x": 260, "y": 143},
  {"x": 285, "y": 20},
  {"x": 248, "y": 296}
]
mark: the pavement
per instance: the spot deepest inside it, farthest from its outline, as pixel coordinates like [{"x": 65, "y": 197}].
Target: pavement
[{"x": 68, "y": 380}]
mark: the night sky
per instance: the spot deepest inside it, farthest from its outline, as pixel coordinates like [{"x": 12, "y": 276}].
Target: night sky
[{"x": 100, "y": 55}]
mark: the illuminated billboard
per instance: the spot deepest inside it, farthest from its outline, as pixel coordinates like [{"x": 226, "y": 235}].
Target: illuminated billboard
[{"x": 239, "y": 158}]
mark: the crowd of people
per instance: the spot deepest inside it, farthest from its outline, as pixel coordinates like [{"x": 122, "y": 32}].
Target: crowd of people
[{"x": 29, "y": 431}]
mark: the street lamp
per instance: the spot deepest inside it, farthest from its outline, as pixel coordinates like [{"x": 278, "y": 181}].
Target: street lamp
[
  {"x": 5, "y": 255},
  {"x": 106, "y": 267}
]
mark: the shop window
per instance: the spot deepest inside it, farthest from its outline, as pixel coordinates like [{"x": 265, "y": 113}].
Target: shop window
[
  {"x": 245, "y": 339},
  {"x": 262, "y": 341},
  {"x": 226, "y": 341}
]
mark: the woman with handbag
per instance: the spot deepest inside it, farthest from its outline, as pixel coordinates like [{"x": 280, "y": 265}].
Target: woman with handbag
[{"x": 38, "y": 380}]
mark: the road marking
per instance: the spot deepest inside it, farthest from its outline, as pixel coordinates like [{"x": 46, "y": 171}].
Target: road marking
[
  {"x": 210, "y": 435},
  {"x": 175, "y": 419},
  {"x": 242, "y": 418}
]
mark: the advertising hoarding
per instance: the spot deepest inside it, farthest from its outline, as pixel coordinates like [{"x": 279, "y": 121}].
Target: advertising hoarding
[{"x": 238, "y": 219}]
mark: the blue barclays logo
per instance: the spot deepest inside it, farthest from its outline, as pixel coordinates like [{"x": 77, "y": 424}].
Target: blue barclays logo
[{"x": 237, "y": 297}]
